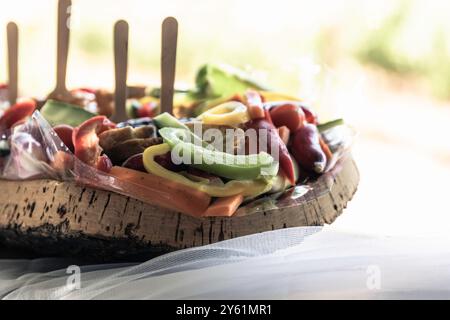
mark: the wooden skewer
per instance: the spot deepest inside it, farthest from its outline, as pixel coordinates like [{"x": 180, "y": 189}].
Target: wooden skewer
[
  {"x": 64, "y": 11},
  {"x": 120, "y": 67},
  {"x": 13, "y": 53},
  {"x": 168, "y": 62}
]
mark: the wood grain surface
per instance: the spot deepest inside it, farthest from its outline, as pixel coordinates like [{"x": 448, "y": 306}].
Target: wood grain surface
[{"x": 62, "y": 218}]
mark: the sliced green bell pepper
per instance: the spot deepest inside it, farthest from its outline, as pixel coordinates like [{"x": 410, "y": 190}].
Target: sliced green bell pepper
[
  {"x": 167, "y": 120},
  {"x": 248, "y": 188},
  {"x": 56, "y": 112},
  {"x": 236, "y": 167}
]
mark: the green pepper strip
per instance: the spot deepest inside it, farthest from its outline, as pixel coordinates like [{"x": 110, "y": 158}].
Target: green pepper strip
[
  {"x": 234, "y": 167},
  {"x": 331, "y": 124},
  {"x": 251, "y": 188}
]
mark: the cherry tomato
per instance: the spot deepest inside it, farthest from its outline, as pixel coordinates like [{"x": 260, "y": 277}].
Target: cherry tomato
[{"x": 288, "y": 115}]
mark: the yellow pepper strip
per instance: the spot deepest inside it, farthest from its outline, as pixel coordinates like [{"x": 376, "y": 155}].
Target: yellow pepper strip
[
  {"x": 245, "y": 187},
  {"x": 271, "y": 96},
  {"x": 228, "y": 113}
]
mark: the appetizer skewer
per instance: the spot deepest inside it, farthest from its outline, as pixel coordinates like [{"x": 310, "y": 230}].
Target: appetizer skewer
[
  {"x": 13, "y": 53},
  {"x": 120, "y": 67},
  {"x": 63, "y": 39},
  {"x": 168, "y": 62}
]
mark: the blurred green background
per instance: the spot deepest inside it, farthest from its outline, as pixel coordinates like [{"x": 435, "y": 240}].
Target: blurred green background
[
  {"x": 288, "y": 44},
  {"x": 382, "y": 65}
]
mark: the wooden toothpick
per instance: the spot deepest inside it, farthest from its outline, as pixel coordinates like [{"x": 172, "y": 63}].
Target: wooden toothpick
[
  {"x": 64, "y": 12},
  {"x": 168, "y": 62},
  {"x": 120, "y": 67},
  {"x": 12, "y": 33}
]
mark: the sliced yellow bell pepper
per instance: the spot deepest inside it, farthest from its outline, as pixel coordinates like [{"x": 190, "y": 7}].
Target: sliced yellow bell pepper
[
  {"x": 203, "y": 106},
  {"x": 228, "y": 113},
  {"x": 271, "y": 96},
  {"x": 248, "y": 188},
  {"x": 148, "y": 99}
]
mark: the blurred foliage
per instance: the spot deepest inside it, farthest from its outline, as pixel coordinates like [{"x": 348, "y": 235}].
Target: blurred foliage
[
  {"x": 380, "y": 48},
  {"x": 93, "y": 42},
  {"x": 293, "y": 46},
  {"x": 437, "y": 67}
]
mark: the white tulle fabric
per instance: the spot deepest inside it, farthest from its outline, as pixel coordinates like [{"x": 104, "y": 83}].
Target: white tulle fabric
[{"x": 296, "y": 263}]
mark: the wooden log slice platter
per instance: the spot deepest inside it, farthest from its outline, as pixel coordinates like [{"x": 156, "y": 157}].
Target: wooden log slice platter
[{"x": 64, "y": 219}]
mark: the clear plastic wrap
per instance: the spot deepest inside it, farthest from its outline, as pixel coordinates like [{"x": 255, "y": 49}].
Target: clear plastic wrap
[{"x": 36, "y": 152}]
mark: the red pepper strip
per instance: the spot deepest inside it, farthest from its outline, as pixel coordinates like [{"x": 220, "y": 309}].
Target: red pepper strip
[
  {"x": 253, "y": 98},
  {"x": 16, "y": 113},
  {"x": 273, "y": 137},
  {"x": 254, "y": 104},
  {"x": 310, "y": 116},
  {"x": 86, "y": 142}
]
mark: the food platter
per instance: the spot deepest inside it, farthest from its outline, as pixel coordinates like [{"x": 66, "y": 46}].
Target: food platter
[
  {"x": 110, "y": 176},
  {"x": 62, "y": 218}
]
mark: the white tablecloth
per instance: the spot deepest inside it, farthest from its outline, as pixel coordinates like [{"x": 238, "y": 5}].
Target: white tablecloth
[{"x": 294, "y": 263}]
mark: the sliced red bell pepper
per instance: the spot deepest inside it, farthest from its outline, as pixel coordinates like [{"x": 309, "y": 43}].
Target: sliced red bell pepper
[
  {"x": 86, "y": 142},
  {"x": 16, "y": 113},
  {"x": 272, "y": 136},
  {"x": 254, "y": 103},
  {"x": 310, "y": 116}
]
